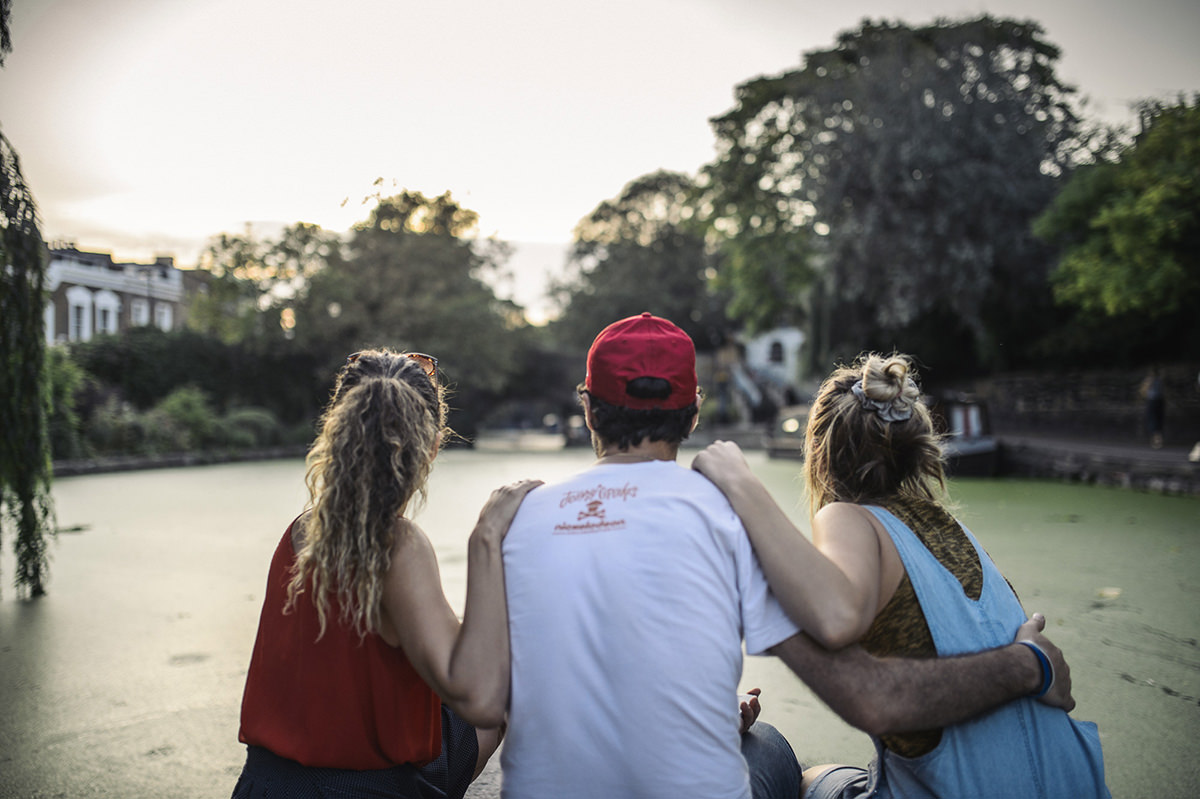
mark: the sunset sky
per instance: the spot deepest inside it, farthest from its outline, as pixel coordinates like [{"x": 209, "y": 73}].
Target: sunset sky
[{"x": 146, "y": 126}]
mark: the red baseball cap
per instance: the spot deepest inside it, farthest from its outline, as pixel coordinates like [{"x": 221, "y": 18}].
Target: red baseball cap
[{"x": 642, "y": 346}]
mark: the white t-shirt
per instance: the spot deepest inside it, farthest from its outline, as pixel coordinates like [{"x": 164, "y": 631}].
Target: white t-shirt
[{"x": 630, "y": 590}]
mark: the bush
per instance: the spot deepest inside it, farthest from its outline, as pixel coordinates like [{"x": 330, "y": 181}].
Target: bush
[
  {"x": 163, "y": 433},
  {"x": 251, "y": 427},
  {"x": 188, "y": 411},
  {"x": 146, "y": 365},
  {"x": 302, "y": 434},
  {"x": 184, "y": 421},
  {"x": 115, "y": 428},
  {"x": 65, "y": 379}
]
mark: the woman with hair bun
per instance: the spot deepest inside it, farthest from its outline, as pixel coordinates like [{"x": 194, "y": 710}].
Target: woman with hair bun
[
  {"x": 890, "y": 568},
  {"x": 362, "y": 681}
]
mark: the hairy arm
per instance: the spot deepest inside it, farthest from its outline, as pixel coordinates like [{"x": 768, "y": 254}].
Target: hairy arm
[
  {"x": 466, "y": 664},
  {"x": 888, "y": 695},
  {"x": 835, "y": 602}
]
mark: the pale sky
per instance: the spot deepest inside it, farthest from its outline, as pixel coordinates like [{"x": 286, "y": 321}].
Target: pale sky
[{"x": 146, "y": 126}]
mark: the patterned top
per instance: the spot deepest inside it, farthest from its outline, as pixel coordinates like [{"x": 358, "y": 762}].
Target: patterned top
[{"x": 900, "y": 628}]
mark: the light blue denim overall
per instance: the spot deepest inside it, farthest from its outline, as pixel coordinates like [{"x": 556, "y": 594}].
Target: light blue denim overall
[{"x": 1024, "y": 748}]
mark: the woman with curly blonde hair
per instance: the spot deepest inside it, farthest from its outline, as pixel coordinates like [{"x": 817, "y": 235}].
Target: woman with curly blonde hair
[
  {"x": 362, "y": 681},
  {"x": 891, "y": 568}
]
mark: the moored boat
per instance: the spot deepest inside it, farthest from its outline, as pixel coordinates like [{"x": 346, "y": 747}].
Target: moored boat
[{"x": 961, "y": 419}]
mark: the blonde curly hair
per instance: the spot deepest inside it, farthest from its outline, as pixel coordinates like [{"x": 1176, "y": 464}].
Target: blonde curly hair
[
  {"x": 870, "y": 437},
  {"x": 372, "y": 456}
]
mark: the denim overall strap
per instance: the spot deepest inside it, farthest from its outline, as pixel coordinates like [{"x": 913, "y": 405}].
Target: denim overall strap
[{"x": 1024, "y": 748}]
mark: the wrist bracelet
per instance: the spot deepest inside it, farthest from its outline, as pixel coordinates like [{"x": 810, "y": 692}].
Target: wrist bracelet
[{"x": 1047, "y": 669}]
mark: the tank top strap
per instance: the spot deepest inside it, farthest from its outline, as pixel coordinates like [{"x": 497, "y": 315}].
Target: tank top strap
[
  {"x": 958, "y": 624},
  {"x": 925, "y": 571}
]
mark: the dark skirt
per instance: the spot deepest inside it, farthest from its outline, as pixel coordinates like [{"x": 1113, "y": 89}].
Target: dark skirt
[{"x": 268, "y": 775}]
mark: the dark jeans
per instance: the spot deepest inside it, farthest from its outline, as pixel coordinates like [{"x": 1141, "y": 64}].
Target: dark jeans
[{"x": 269, "y": 775}]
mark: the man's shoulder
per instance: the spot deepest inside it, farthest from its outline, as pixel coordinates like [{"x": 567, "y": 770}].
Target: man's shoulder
[
  {"x": 656, "y": 480},
  {"x": 703, "y": 487},
  {"x": 673, "y": 477}
]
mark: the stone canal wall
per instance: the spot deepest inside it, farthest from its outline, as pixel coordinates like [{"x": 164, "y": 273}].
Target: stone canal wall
[
  {"x": 1165, "y": 471},
  {"x": 1101, "y": 405}
]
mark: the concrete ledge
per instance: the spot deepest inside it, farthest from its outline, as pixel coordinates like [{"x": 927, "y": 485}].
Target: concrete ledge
[
  {"x": 129, "y": 463},
  {"x": 1164, "y": 471}
]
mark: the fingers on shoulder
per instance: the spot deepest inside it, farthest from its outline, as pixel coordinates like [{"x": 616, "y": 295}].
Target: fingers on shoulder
[
  {"x": 517, "y": 488},
  {"x": 727, "y": 449},
  {"x": 511, "y": 495}
]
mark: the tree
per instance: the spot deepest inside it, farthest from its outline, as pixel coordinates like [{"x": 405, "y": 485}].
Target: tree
[
  {"x": 409, "y": 278},
  {"x": 641, "y": 251},
  {"x": 902, "y": 167},
  {"x": 25, "y": 470},
  {"x": 1129, "y": 229},
  {"x": 5, "y": 33},
  {"x": 225, "y": 304},
  {"x": 250, "y": 282}
]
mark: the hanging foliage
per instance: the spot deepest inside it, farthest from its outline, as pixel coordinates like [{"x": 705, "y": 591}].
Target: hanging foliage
[{"x": 25, "y": 468}]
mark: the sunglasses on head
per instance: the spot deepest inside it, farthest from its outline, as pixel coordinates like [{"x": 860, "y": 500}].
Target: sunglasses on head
[{"x": 428, "y": 363}]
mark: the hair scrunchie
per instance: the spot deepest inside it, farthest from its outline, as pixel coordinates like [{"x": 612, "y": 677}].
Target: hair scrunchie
[{"x": 887, "y": 411}]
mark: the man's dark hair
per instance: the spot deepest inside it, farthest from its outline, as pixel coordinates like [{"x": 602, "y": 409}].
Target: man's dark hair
[{"x": 628, "y": 427}]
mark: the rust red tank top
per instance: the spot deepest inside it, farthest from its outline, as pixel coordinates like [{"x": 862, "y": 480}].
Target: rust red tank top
[{"x": 339, "y": 702}]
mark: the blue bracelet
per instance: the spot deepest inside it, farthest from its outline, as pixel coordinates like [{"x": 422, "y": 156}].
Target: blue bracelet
[{"x": 1047, "y": 669}]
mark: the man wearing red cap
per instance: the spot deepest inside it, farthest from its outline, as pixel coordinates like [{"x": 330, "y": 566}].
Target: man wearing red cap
[{"x": 631, "y": 590}]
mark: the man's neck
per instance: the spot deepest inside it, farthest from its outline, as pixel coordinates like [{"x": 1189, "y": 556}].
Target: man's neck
[{"x": 645, "y": 451}]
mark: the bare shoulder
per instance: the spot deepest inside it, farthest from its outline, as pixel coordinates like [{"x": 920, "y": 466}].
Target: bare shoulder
[
  {"x": 841, "y": 513},
  {"x": 845, "y": 519},
  {"x": 409, "y": 542},
  {"x": 413, "y": 570}
]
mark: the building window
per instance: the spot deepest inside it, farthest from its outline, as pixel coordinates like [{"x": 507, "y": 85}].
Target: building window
[
  {"x": 163, "y": 316},
  {"x": 776, "y": 355},
  {"x": 77, "y": 329},
  {"x": 139, "y": 312},
  {"x": 108, "y": 308},
  {"x": 49, "y": 315},
  {"x": 79, "y": 314}
]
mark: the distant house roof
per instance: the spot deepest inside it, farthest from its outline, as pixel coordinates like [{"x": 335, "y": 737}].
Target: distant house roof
[
  {"x": 105, "y": 260},
  {"x": 94, "y": 259}
]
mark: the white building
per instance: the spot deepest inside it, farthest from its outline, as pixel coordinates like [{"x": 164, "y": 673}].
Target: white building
[
  {"x": 774, "y": 357},
  {"x": 91, "y": 294},
  {"x": 752, "y": 378}
]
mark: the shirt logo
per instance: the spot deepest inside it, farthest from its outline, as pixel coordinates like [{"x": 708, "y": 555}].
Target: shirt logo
[
  {"x": 594, "y": 510},
  {"x": 592, "y": 515}
]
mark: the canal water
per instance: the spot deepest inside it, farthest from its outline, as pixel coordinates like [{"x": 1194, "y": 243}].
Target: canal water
[{"x": 126, "y": 679}]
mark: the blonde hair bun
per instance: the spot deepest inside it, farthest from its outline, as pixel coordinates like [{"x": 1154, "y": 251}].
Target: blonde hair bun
[
  {"x": 869, "y": 436},
  {"x": 889, "y": 379}
]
